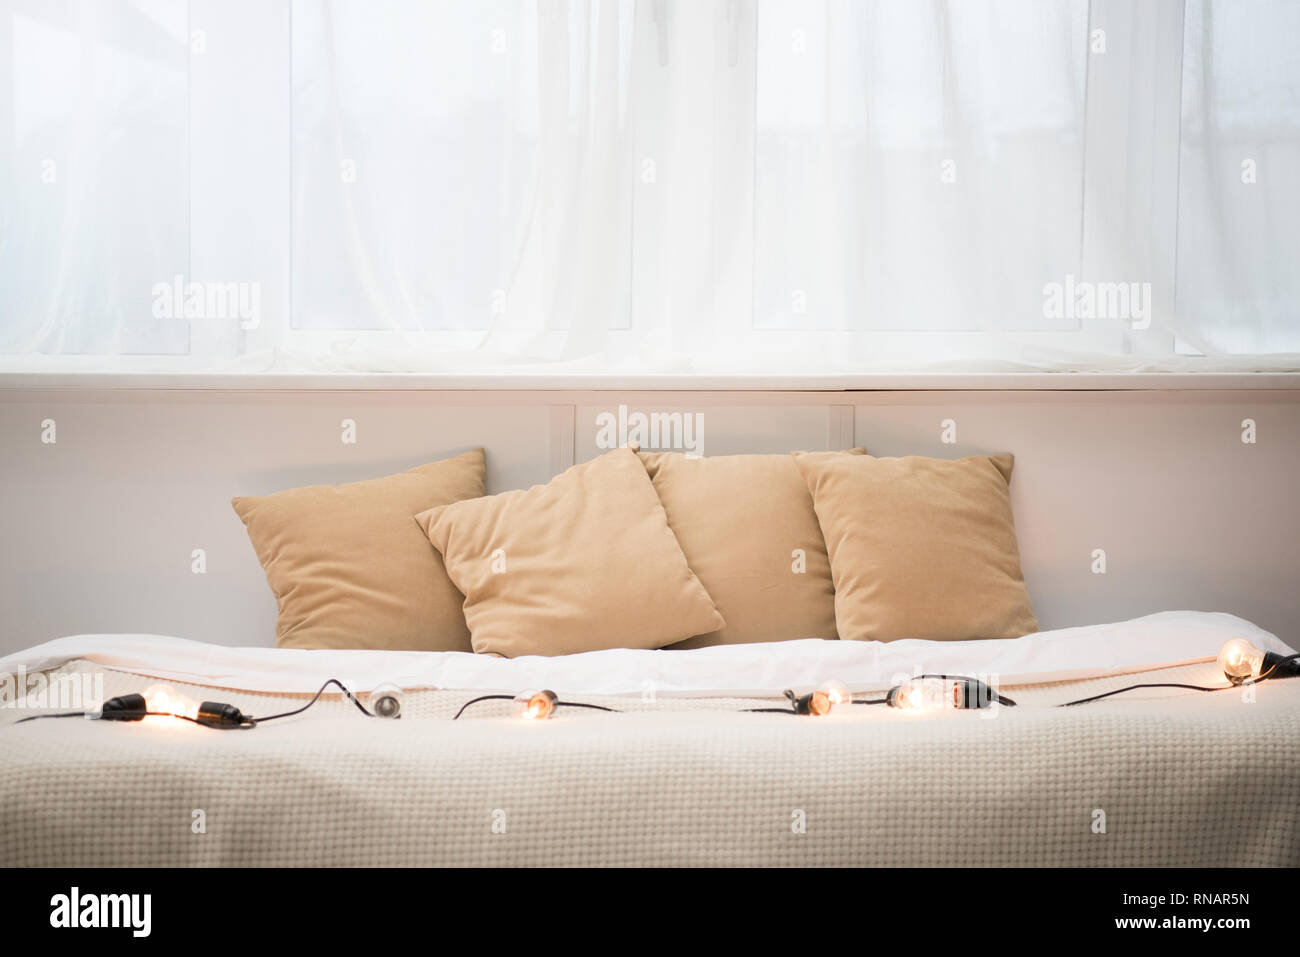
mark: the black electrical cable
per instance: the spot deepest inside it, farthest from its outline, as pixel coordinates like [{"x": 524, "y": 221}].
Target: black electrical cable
[
  {"x": 333, "y": 681},
  {"x": 486, "y": 697},
  {"x": 245, "y": 721},
  {"x": 798, "y": 706},
  {"x": 793, "y": 709},
  {"x": 67, "y": 714},
  {"x": 583, "y": 704},
  {"x": 183, "y": 717},
  {"x": 795, "y": 702},
  {"x": 510, "y": 697},
  {"x": 84, "y": 714},
  {"x": 251, "y": 721},
  {"x": 1227, "y": 687},
  {"x": 1098, "y": 697}
]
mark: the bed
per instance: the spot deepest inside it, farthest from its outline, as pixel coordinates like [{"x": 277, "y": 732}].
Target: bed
[{"x": 682, "y": 775}]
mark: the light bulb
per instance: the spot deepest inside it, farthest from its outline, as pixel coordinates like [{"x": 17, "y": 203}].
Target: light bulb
[
  {"x": 386, "y": 701},
  {"x": 163, "y": 699},
  {"x": 909, "y": 696},
  {"x": 942, "y": 693},
  {"x": 1240, "y": 660},
  {"x": 837, "y": 693},
  {"x": 535, "y": 705}
]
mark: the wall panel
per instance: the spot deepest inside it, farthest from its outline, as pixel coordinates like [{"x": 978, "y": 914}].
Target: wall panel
[{"x": 100, "y": 526}]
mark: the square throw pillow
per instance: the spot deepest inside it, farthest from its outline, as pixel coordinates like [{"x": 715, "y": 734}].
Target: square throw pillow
[
  {"x": 349, "y": 567},
  {"x": 582, "y": 563},
  {"x": 747, "y": 526},
  {"x": 920, "y": 547}
]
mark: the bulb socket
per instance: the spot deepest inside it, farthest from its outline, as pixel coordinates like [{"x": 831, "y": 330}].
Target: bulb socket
[
  {"x": 127, "y": 707},
  {"x": 218, "y": 714},
  {"x": 815, "y": 703},
  {"x": 1279, "y": 666},
  {"x": 536, "y": 705}
]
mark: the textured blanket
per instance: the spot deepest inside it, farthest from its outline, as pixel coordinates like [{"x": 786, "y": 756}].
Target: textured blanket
[{"x": 1156, "y": 777}]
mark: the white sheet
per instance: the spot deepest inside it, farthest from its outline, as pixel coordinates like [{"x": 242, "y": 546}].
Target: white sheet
[{"x": 1167, "y": 638}]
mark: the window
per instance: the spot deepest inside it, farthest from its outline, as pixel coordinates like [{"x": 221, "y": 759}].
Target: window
[
  {"x": 920, "y": 167},
  {"x": 649, "y": 185},
  {"x": 1238, "y": 193},
  {"x": 414, "y": 146},
  {"x": 94, "y": 175}
]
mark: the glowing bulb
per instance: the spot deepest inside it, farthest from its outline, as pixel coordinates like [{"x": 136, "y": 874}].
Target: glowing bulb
[
  {"x": 837, "y": 693},
  {"x": 535, "y": 705},
  {"x": 386, "y": 701},
  {"x": 909, "y": 696},
  {"x": 943, "y": 693},
  {"x": 1240, "y": 660},
  {"x": 163, "y": 699}
]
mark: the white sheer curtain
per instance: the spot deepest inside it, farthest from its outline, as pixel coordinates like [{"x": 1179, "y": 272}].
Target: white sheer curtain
[
  {"x": 93, "y": 175},
  {"x": 630, "y": 186},
  {"x": 1239, "y": 179}
]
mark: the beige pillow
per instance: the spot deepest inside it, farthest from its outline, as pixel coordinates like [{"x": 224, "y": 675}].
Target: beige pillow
[
  {"x": 349, "y": 567},
  {"x": 584, "y": 562},
  {"x": 747, "y": 526},
  {"x": 919, "y": 547}
]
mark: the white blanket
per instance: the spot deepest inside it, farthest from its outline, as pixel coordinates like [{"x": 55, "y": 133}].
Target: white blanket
[{"x": 762, "y": 669}]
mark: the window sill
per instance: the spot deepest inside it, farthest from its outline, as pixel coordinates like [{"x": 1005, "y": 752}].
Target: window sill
[{"x": 440, "y": 382}]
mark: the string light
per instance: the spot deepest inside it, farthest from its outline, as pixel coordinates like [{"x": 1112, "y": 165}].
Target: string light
[
  {"x": 165, "y": 700},
  {"x": 1240, "y": 661},
  {"x": 909, "y": 696},
  {"x": 821, "y": 702},
  {"x": 386, "y": 701},
  {"x": 532, "y": 705},
  {"x": 535, "y": 705},
  {"x": 815, "y": 703},
  {"x": 942, "y": 693},
  {"x": 127, "y": 707},
  {"x": 838, "y": 693}
]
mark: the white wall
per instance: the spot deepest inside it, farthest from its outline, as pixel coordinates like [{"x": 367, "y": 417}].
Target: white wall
[{"x": 99, "y": 527}]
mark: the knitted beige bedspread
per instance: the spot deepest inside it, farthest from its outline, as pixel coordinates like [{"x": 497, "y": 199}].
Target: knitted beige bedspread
[{"x": 1157, "y": 777}]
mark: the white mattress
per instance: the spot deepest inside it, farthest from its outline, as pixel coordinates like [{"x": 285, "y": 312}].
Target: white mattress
[{"x": 681, "y": 777}]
